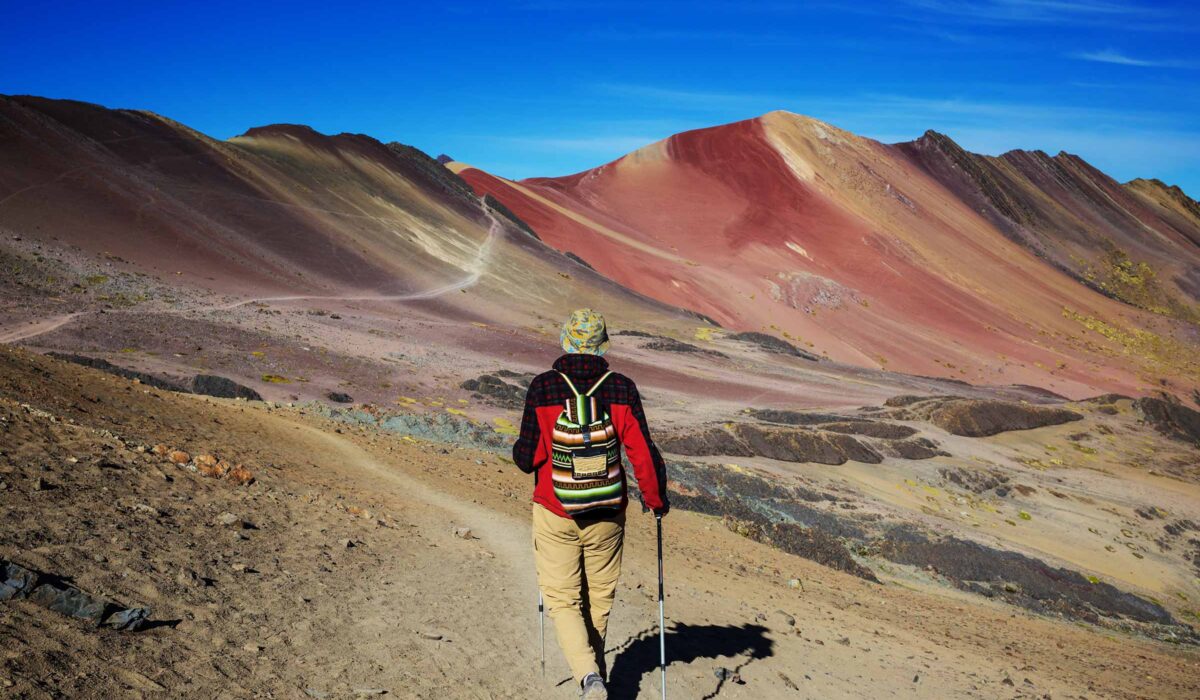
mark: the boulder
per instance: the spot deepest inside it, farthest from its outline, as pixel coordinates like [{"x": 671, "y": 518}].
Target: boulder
[
  {"x": 240, "y": 476},
  {"x": 214, "y": 471}
]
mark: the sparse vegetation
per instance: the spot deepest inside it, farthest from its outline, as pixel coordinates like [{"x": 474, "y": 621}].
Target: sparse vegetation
[
  {"x": 1135, "y": 282},
  {"x": 1157, "y": 352}
]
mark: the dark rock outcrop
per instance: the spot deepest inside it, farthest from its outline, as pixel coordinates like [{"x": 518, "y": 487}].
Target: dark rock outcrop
[
  {"x": 974, "y": 480},
  {"x": 980, "y": 417},
  {"x": 60, "y": 595},
  {"x": 203, "y": 384},
  {"x": 770, "y": 509},
  {"x": 106, "y": 366},
  {"x": 496, "y": 391},
  {"x": 431, "y": 170},
  {"x": 916, "y": 448},
  {"x": 1040, "y": 393},
  {"x": 808, "y": 542},
  {"x": 498, "y": 206},
  {"x": 1018, "y": 579},
  {"x": 222, "y": 388},
  {"x": 784, "y": 444},
  {"x": 908, "y": 400},
  {"x": 1172, "y": 419},
  {"x": 579, "y": 260},
  {"x": 772, "y": 344},
  {"x": 672, "y": 345},
  {"x": 871, "y": 428},
  {"x": 637, "y": 334},
  {"x": 339, "y": 397},
  {"x": 1107, "y": 398},
  {"x": 786, "y": 417}
]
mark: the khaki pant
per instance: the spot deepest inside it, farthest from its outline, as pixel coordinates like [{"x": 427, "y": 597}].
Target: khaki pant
[{"x": 578, "y": 563}]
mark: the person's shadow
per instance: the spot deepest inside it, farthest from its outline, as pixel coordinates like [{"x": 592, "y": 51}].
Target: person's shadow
[{"x": 685, "y": 643}]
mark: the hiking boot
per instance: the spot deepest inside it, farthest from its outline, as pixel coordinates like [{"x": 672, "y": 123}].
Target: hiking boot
[{"x": 592, "y": 688}]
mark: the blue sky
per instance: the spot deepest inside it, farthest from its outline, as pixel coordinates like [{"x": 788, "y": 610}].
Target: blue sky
[{"x": 556, "y": 86}]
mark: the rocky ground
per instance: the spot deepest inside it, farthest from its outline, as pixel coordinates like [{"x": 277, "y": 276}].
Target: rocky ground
[
  {"x": 364, "y": 561},
  {"x": 839, "y": 532}
]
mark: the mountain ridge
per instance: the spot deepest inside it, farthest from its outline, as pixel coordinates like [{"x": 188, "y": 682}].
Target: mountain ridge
[
  {"x": 928, "y": 210},
  {"x": 920, "y": 257}
]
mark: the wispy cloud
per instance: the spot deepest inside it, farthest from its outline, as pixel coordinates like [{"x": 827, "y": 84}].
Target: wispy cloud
[
  {"x": 684, "y": 97},
  {"x": 895, "y": 107},
  {"x": 884, "y": 107},
  {"x": 1125, "y": 142},
  {"x": 1127, "y": 16},
  {"x": 583, "y": 144},
  {"x": 1120, "y": 59},
  {"x": 638, "y": 35},
  {"x": 1028, "y": 11}
]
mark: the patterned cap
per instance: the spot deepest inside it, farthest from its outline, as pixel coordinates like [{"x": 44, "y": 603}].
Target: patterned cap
[{"x": 585, "y": 333}]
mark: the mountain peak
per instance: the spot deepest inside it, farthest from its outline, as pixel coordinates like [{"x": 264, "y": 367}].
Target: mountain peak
[
  {"x": 282, "y": 129},
  {"x": 936, "y": 139}
]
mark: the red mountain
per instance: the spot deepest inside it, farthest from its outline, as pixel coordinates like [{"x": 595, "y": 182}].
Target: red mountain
[{"x": 917, "y": 257}]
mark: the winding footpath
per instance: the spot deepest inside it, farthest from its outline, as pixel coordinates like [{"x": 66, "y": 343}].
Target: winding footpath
[{"x": 474, "y": 273}]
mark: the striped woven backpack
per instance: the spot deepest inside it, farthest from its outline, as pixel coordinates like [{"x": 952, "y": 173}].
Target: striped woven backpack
[{"x": 586, "y": 455}]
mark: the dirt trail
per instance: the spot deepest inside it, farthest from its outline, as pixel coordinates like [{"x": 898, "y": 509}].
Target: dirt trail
[
  {"x": 729, "y": 606},
  {"x": 474, "y": 273},
  {"x": 32, "y": 330},
  {"x": 502, "y": 534},
  {"x": 352, "y": 577}
]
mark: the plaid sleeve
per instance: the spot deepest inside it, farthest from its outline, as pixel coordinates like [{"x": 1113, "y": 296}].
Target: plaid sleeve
[
  {"x": 658, "y": 480},
  {"x": 525, "y": 448}
]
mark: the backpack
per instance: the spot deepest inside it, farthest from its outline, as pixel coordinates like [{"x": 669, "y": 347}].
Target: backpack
[{"x": 586, "y": 455}]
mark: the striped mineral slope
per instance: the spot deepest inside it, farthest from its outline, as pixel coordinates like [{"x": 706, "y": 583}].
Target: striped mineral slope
[{"x": 876, "y": 255}]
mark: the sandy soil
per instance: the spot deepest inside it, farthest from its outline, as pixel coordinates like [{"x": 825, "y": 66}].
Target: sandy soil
[{"x": 287, "y": 608}]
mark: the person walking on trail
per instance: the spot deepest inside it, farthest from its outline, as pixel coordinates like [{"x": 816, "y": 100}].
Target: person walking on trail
[{"x": 577, "y": 417}]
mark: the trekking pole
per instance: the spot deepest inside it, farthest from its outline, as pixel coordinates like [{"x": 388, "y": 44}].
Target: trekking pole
[
  {"x": 662, "y": 632},
  {"x": 541, "y": 601},
  {"x": 542, "y": 630}
]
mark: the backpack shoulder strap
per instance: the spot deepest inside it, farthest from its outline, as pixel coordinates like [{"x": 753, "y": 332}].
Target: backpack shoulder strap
[
  {"x": 569, "y": 384},
  {"x": 597, "y": 384}
]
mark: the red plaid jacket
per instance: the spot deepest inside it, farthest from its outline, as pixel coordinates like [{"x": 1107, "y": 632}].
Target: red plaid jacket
[{"x": 544, "y": 403}]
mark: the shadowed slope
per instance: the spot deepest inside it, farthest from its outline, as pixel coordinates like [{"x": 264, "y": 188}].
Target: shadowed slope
[
  {"x": 1080, "y": 220},
  {"x": 279, "y": 210}
]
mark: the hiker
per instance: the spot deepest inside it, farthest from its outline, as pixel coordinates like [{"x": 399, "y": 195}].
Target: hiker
[{"x": 577, "y": 418}]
